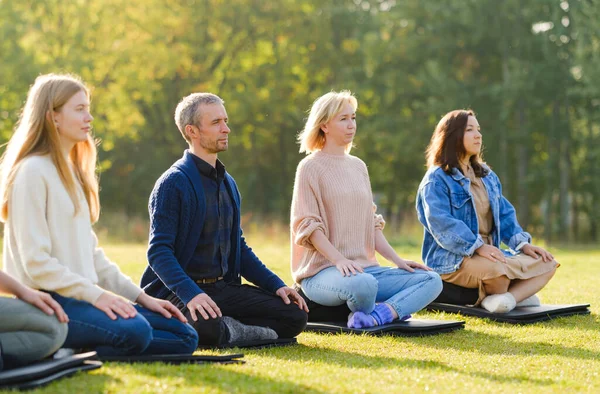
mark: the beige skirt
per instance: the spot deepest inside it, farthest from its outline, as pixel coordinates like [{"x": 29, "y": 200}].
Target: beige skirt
[{"x": 474, "y": 270}]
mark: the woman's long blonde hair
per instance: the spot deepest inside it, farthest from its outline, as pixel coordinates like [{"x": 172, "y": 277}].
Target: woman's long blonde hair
[
  {"x": 312, "y": 138},
  {"x": 36, "y": 134}
]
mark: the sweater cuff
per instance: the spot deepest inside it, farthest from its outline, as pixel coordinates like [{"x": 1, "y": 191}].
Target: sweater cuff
[
  {"x": 305, "y": 230},
  {"x": 275, "y": 285},
  {"x": 131, "y": 292},
  {"x": 91, "y": 294},
  {"x": 187, "y": 293}
]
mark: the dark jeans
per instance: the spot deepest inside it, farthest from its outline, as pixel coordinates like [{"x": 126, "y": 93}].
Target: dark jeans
[
  {"x": 147, "y": 333},
  {"x": 248, "y": 304}
]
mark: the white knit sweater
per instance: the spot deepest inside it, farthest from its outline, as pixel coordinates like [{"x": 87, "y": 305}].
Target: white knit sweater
[
  {"x": 47, "y": 247},
  {"x": 332, "y": 193}
]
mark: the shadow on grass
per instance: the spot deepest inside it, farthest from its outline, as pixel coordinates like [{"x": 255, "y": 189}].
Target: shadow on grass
[
  {"x": 475, "y": 341},
  {"x": 229, "y": 379},
  {"x": 351, "y": 360},
  {"x": 574, "y": 322},
  {"x": 578, "y": 323},
  {"x": 81, "y": 382}
]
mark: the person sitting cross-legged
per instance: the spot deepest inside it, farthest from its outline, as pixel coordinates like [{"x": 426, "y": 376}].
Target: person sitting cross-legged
[
  {"x": 465, "y": 218},
  {"x": 335, "y": 230},
  {"x": 197, "y": 254}
]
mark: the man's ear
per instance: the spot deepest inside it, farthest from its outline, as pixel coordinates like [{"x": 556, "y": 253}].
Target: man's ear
[{"x": 190, "y": 131}]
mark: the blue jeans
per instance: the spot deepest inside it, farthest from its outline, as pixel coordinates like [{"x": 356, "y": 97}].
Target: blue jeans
[
  {"x": 147, "y": 333},
  {"x": 406, "y": 292}
]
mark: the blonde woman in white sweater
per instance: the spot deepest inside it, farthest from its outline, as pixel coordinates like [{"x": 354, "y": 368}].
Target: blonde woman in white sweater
[
  {"x": 49, "y": 200},
  {"x": 335, "y": 230}
]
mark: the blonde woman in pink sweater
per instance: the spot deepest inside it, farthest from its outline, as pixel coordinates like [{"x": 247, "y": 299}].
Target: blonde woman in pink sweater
[{"x": 335, "y": 230}]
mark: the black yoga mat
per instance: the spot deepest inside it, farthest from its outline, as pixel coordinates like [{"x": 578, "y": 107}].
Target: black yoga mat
[
  {"x": 176, "y": 359},
  {"x": 44, "y": 372},
  {"x": 519, "y": 315},
  {"x": 256, "y": 344},
  {"x": 457, "y": 295},
  {"x": 411, "y": 327}
]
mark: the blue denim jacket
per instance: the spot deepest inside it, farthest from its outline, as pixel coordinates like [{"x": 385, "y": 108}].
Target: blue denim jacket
[{"x": 445, "y": 207}]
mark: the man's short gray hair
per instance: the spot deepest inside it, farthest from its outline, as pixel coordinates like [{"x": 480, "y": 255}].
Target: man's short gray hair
[{"x": 187, "y": 113}]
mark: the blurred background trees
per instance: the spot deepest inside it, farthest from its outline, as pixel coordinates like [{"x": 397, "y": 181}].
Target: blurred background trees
[{"x": 528, "y": 68}]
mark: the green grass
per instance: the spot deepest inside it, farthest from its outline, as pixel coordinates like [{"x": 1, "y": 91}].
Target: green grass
[{"x": 562, "y": 355}]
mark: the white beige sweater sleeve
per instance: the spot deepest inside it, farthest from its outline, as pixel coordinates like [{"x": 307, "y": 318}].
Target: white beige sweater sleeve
[
  {"x": 31, "y": 236},
  {"x": 110, "y": 276}
]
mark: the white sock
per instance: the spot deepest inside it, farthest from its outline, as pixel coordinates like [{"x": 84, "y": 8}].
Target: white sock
[
  {"x": 499, "y": 303},
  {"x": 533, "y": 300}
]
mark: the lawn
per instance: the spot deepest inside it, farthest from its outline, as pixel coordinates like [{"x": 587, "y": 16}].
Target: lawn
[{"x": 562, "y": 355}]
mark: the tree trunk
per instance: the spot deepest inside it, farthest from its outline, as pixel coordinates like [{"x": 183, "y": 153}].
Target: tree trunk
[
  {"x": 564, "y": 163},
  {"x": 522, "y": 166},
  {"x": 550, "y": 171},
  {"x": 502, "y": 136}
]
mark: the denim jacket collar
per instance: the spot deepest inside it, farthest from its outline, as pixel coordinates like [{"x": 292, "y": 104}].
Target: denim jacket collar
[
  {"x": 460, "y": 178},
  {"x": 456, "y": 174}
]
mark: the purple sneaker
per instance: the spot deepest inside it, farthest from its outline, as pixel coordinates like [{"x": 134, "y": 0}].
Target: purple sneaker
[{"x": 360, "y": 320}]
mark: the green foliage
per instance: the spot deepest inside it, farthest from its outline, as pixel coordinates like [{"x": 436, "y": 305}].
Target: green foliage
[{"x": 527, "y": 68}]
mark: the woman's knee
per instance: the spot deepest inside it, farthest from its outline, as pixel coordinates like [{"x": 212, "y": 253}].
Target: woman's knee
[
  {"x": 361, "y": 292},
  {"x": 190, "y": 337},
  {"x": 47, "y": 342},
  {"x": 364, "y": 286},
  {"x": 550, "y": 274},
  {"x": 135, "y": 334},
  {"x": 54, "y": 334},
  {"x": 497, "y": 285},
  {"x": 434, "y": 282},
  {"x": 58, "y": 333}
]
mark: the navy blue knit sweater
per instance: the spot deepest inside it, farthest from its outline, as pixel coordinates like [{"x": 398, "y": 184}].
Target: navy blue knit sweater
[{"x": 177, "y": 211}]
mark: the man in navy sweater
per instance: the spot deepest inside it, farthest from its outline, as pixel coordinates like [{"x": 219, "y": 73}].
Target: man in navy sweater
[{"x": 197, "y": 254}]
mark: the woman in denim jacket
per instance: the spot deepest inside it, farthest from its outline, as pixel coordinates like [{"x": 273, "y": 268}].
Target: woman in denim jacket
[{"x": 465, "y": 215}]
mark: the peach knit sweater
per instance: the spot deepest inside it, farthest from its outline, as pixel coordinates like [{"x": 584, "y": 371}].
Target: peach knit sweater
[{"x": 332, "y": 193}]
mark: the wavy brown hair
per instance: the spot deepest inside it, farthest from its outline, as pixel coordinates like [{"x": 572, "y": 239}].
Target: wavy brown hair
[{"x": 447, "y": 144}]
